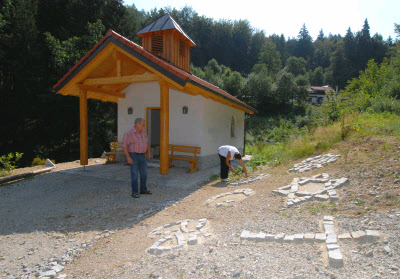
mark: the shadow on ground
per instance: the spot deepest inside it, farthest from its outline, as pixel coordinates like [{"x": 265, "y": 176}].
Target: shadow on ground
[{"x": 94, "y": 198}]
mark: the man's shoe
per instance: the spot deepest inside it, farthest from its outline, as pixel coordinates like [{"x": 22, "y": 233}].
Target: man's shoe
[
  {"x": 224, "y": 180},
  {"x": 135, "y": 195},
  {"x": 147, "y": 192}
]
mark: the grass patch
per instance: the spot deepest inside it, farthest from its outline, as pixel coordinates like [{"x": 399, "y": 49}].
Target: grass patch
[{"x": 299, "y": 145}]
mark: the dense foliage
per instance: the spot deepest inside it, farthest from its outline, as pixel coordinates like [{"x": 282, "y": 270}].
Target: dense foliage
[{"x": 40, "y": 40}]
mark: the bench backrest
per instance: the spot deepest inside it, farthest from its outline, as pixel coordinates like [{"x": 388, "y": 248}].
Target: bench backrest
[
  {"x": 114, "y": 146},
  {"x": 184, "y": 149}
]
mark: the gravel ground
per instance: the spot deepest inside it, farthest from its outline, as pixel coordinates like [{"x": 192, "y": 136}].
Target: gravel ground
[{"x": 57, "y": 225}]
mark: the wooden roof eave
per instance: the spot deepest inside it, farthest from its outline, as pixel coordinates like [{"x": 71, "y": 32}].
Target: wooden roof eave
[
  {"x": 216, "y": 96},
  {"x": 69, "y": 83},
  {"x": 198, "y": 89}
]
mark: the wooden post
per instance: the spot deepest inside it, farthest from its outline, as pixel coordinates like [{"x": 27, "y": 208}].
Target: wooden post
[
  {"x": 164, "y": 127},
  {"x": 83, "y": 133}
]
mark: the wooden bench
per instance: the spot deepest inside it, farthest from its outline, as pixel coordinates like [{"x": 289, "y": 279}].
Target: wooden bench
[
  {"x": 184, "y": 149},
  {"x": 116, "y": 149}
]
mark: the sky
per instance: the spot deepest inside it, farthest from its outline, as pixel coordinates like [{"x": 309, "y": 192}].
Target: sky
[{"x": 288, "y": 16}]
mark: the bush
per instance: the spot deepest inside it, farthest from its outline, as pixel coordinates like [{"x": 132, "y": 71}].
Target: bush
[
  {"x": 385, "y": 104},
  {"x": 8, "y": 163},
  {"x": 38, "y": 161}
]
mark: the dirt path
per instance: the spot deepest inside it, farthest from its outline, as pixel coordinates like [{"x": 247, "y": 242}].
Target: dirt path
[{"x": 106, "y": 234}]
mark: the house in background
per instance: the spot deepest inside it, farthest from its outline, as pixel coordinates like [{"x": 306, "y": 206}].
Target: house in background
[
  {"x": 317, "y": 95},
  {"x": 153, "y": 81}
]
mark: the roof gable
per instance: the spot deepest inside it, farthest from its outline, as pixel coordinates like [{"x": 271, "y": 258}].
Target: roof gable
[{"x": 161, "y": 67}]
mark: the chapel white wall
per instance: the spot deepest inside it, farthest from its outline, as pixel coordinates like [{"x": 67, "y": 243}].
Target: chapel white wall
[
  {"x": 207, "y": 123},
  {"x": 217, "y": 127}
]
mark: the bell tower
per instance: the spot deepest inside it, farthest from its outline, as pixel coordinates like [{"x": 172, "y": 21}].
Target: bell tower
[{"x": 166, "y": 39}]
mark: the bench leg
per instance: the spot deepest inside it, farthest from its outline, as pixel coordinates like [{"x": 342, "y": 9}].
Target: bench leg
[
  {"x": 193, "y": 167},
  {"x": 111, "y": 158}
]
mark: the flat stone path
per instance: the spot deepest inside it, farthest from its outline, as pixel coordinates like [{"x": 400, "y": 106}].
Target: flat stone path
[
  {"x": 326, "y": 191},
  {"x": 249, "y": 180},
  {"x": 329, "y": 237},
  {"x": 230, "y": 197},
  {"x": 314, "y": 163}
]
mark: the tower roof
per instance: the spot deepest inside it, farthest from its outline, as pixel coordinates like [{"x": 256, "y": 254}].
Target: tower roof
[{"x": 165, "y": 22}]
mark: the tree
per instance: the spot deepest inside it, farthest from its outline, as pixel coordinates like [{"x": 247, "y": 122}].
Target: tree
[
  {"x": 286, "y": 87},
  {"x": 257, "y": 41},
  {"x": 242, "y": 35},
  {"x": 233, "y": 82},
  {"x": 321, "y": 36},
  {"x": 337, "y": 66},
  {"x": 304, "y": 47},
  {"x": 363, "y": 46},
  {"x": 270, "y": 57},
  {"x": 317, "y": 77},
  {"x": 296, "y": 66},
  {"x": 350, "y": 54},
  {"x": 259, "y": 91},
  {"x": 302, "y": 86}
]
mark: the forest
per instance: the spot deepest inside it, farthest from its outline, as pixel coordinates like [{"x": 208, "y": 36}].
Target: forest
[{"x": 40, "y": 40}]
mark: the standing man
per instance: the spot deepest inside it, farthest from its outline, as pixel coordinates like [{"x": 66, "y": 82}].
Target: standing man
[
  {"x": 227, "y": 153},
  {"x": 136, "y": 149}
]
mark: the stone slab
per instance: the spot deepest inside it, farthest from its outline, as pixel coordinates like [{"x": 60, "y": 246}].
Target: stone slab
[
  {"x": 331, "y": 238},
  {"x": 359, "y": 236},
  {"x": 372, "y": 235},
  {"x": 279, "y": 237},
  {"x": 321, "y": 197},
  {"x": 298, "y": 238},
  {"x": 336, "y": 258},
  {"x": 309, "y": 238},
  {"x": 320, "y": 237},
  {"x": 288, "y": 239},
  {"x": 344, "y": 236}
]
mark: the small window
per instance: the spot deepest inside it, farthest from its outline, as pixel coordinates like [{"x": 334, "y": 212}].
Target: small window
[
  {"x": 157, "y": 44},
  {"x": 182, "y": 48},
  {"x": 232, "y": 127}
]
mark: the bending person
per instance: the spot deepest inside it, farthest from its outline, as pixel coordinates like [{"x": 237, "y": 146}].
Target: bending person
[{"x": 226, "y": 154}]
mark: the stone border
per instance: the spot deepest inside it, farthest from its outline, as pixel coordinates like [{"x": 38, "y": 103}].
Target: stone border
[
  {"x": 314, "y": 163},
  {"x": 248, "y": 180},
  {"x": 246, "y": 192},
  {"x": 328, "y": 192},
  {"x": 157, "y": 248},
  {"x": 329, "y": 237},
  {"x": 26, "y": 174}
]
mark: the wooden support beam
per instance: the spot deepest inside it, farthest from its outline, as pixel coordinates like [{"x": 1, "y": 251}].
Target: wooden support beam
[
  {"x": 118, "y": 68},
  {"x": 83, "y": 133},
  {"x": 121, "y": 80},
  {"x": 101, "y": 91},
  {"x": 164, "y": 127}
]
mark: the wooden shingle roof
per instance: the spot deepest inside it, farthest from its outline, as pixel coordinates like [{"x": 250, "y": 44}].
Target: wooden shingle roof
[{"x": 166, "y": 22}]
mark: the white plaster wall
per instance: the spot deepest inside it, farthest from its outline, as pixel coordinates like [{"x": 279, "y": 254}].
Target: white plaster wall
[
  {"x": 207, "y": 124},
  {"x": 217, "y": 127},
  {"x": 138, "y": 96},
  {"x": 186, "y": 129}
]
